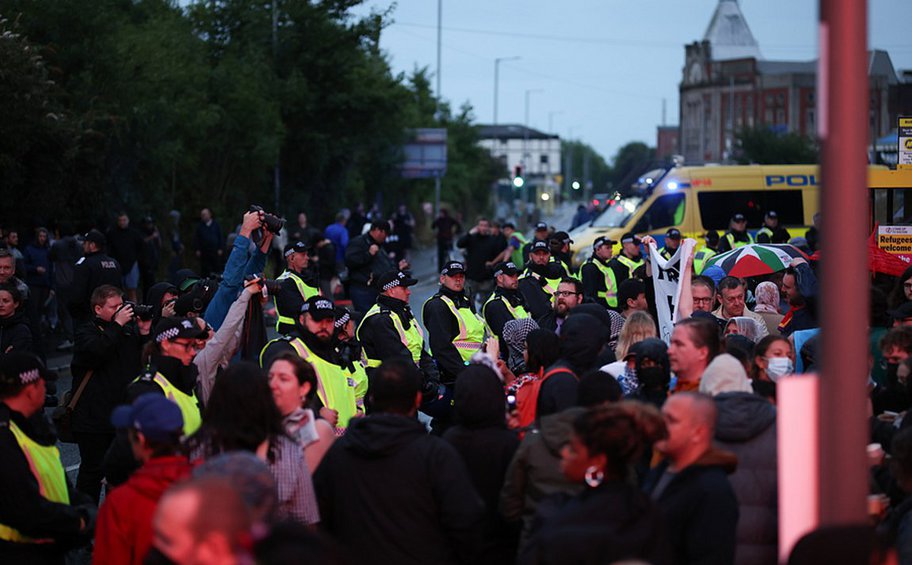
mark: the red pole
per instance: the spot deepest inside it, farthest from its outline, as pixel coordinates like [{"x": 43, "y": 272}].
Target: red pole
[{"x": 843, "y": 118}]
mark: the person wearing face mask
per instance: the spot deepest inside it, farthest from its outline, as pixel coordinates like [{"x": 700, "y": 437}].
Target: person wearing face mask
[{"x": 773, "y": 359}]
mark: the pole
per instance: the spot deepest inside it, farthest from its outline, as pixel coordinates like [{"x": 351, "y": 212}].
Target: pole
[
  {"x": 843, "y": 109},
  {"x": 551, "y": 119},
  {"x": 436, "y": 195},
  {"x": 497, "y": 62},
  {"x": 439, "y": 36}
]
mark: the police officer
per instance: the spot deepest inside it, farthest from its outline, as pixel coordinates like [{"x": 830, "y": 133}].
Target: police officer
[
  {"x": 599, "y": 281},
  {"x": 43, "y": 516},
  {"x": 630, "y": 259},
  {"x": 516, "y": 241},
  {"x": 560, "y": 253},
  {"x": 92, "y": 270},
  {"x": 298, "y": 284},
  {"x": 389, "y": 330},
  {"x": 771, "y": 232},
  {"x": 506, "y": 302},
  {"x": 340, "y": 392},
  {"x": 539, "y": 281},
  {"x": 540, "y": 234},
  {"x": 672, "y": 242},
  {"x": 707, "y": 252},
  {"x": 455, "y": 331},
  {"x": 737, "y": 235}
]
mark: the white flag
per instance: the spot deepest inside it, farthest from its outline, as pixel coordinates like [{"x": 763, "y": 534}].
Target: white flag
[{"x": 666, "y": 279}]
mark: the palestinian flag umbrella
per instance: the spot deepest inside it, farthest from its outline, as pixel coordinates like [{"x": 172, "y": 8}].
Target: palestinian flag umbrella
[{"x": 756, "y": 259}]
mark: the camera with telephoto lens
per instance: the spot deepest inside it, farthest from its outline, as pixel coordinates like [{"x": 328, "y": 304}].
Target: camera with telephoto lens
[
  {"x": 144, "y": 312},
  {"x": 272, "y": 286},
  {"x": 271, "y": 222},
  {"x": 197, "y": 298}
]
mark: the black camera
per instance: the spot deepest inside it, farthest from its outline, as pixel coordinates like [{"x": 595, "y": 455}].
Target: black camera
[
  {"x": 197, "y": 298},
  {"x": 272, "y": 286},
  {"x": 144, "y": 312},
  {"x": 271, "y": 222}
]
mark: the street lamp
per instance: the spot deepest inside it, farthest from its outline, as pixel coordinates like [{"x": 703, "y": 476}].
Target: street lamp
[{"x": 497, "y": 79}]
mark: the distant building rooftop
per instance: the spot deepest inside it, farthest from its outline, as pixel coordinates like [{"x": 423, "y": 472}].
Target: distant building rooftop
[
  {"x": 729, "y": 35},
  {"x": 512, "y": 131}
]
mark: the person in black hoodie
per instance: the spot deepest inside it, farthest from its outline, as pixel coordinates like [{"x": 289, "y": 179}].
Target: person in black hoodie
[
  {"x": 486, "y": 445},
  {"x": 581, "y": 341},
  {"x": 107, "y": 353},
  {"x": 389, "y": 492},
  {"x": 610, "y": 520},
  {"x": 15, "y": 334}
]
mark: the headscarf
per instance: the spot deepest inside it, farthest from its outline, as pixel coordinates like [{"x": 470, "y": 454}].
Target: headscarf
[
  {"x": 746, "y": 327},
  {"x": 724, "y": 374},
  {"x": 767, "y": 298},
  {"x": 514, "y": 334}
]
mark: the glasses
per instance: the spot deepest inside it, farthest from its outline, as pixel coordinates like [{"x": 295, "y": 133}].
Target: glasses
[
  {"x": 188, "y": 345},
  {"x": 702, "y": 300},
  {"x": 565, "y": 293}
]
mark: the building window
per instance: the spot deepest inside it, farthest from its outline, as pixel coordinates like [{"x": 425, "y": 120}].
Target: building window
[{"x": 716, "y": 207}]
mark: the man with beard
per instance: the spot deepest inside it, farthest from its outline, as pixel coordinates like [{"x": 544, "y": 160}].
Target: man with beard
[
  {"x": 630, "y": 259},
  {"x": 339, "y": 394},
  {"x": 506, "y": 302},
  {"x": 799, "y": 286},
  {"x": 455, "y": 331},
  {"x": 599, "y": 281},
  {"x": 539, "y": 281},
  {"x": 569, "y": 295}
]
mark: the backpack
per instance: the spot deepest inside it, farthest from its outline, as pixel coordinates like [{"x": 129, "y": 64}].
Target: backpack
[{"x": 527, "y": 396}]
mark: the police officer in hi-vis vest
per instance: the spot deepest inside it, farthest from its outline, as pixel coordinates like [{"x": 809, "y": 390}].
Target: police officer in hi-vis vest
[
  {"x": 43, "y": 516},
  {"x": 505, "y": 303},
  {"x": 298, "y": 284},
  {"x": 630, "y": 259},
  {"x": 455, "y": 331},
  {"x": 599, "y": 282},
  {"x": 737, "y": 235},
  {"x": 539, "y": 281},
  {"x": 340, "y": 386}
]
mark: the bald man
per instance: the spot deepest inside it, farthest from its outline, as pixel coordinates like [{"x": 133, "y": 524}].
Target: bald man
[{"x": 690, "y": 486}]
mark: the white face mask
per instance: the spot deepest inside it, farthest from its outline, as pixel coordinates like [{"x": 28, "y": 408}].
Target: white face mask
[{"x": 778, "y": 367}]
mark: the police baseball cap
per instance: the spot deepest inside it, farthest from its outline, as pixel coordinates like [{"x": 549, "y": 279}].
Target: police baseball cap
[
  {"x": 506, "y": 268},
  {"x": 177, "y": 327},
  {"x": 541, "y": 226},
  {"x": 739, "y": 218},
  {"x": 153, "y": 415},
  {"x": 772, "y": 215},
  {"x": 562, "y": 237},
  {"x": 673, "y": 233},
  {"x": 631, "y": 237},
  {"x": 540, "y": 245},
  {"x": 296, "y": 247},
  {"x": 319, "y": 308},
  {"x": 602, "y": 240},
  {"x": 392, "y": 279},
  {"x": 95, "y": 237},
  {"x": 18, "y": 368},
  {"x": 453, "y": 268},
  {"x": 342, "y": 316}
]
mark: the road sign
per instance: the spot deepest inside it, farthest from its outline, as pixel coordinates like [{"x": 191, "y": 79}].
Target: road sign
[
  {"x": 425, "y": 154},
  {"x": 905, "y": 142}
]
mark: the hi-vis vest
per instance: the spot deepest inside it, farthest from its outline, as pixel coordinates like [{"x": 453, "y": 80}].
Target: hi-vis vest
[
  {"x": 730, "y": 237},
  {"x": 187, "y": 403},
  {"x": 44, "y": 463},
  {"x": 306, "y": 292},
  {"x": 517, "y": 255},
  {"x": 630, "y": 264},
  {"x": 610, "y": 294},
  {"x": 516, "y": 311},
  {"x": 550, "y": 286},
  {"x": 767, "y": 232},
  {"x": 412, "y": 338},
  {"x": 336, "y": 388},
  {"x": 701, "y": 257},
  {"x": 471, "y": 329}
]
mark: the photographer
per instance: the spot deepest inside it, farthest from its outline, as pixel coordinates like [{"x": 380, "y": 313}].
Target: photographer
[
  {"x": 107, "y": 352},
  {"x": 240, "y": 264}
]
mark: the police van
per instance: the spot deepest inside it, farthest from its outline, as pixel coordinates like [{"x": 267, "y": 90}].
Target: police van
[{"x": 698, "y": 199}]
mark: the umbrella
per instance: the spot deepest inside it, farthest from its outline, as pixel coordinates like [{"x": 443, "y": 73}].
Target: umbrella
[{"x": 756, "y": 259}]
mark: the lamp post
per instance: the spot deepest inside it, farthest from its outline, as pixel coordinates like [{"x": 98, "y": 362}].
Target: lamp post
[{"x": 497, "y": 79}]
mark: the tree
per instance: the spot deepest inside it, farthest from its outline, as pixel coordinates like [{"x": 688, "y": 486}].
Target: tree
[
  {"x": 631, "y": 160},
  {"x": 763, "y": 146},
  {"x": 600, "y": 172}
]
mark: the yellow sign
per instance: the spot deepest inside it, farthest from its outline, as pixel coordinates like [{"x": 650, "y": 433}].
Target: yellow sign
[
  {"x": 905, "y": 122},
  {"x": 895, "y": 239}
]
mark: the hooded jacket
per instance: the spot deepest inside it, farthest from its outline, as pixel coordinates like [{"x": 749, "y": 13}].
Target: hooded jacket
[
  {"x": 15, "y": 334},
  {"x": 581, "y": 340},
  {"x": 486, "y": 445},
  {"x": 746, "y": 426},
  {"x": 124, "y": 530},
  {"x": 700, "y": 509},
  {"x": 390, "y": 493}
]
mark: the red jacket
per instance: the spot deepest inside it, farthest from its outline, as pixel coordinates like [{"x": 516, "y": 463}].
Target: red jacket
[{"x": 123, "y": 533}]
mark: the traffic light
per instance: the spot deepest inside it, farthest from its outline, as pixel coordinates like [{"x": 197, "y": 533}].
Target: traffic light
[{"x": 518, "y": 180}]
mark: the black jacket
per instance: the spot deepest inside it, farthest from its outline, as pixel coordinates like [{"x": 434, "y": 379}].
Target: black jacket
[
  {"x": 611, "y": 523},
  {"x": 91, "y": 271},
  {"x": 746, "y": 426},
  {"x": 700, "y": 509},
  {"x": 289, "y": 300},
  {"x": 538, "y": 300},
  {"x": 442, "y": 327},
  {"x": 380, "y": 340},
  {"x": 496, "y": 313},
  {"x": 581, "y": 340},
  {"x": 486, "y": 445},
  {"x": 594, "y": 281},
  {"x": 390, "y": 493},
  {"x": 23, "y": 508},
  {"x": 362, "y": 266},
  {"x": 480, "y": 249},
  {"x": 15, "y": 334},
  {"x": 125, "y": 245},
  {"x": 112, "y": 352}
]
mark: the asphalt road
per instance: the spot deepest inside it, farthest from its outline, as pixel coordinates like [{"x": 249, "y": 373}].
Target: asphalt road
[{"x": 424, "y": 268}]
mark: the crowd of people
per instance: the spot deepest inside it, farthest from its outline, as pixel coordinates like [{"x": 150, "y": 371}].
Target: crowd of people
[{"x": 533, "y": 415}]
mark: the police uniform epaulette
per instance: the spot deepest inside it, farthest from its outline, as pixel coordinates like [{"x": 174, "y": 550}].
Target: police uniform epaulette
[{"x": 148, "y": 374}]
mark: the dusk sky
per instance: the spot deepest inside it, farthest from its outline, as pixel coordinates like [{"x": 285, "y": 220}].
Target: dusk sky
[{"x": 603, "y": 66}]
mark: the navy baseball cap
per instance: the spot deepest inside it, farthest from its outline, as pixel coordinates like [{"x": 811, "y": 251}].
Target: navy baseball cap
[
  {"x": 540, "y": 245},
  {"x": 739, "y": 218},
  {"x": 673, "y": 233},
  {"x": 772, "y": 214},
  {"x": 541, "y": 226},
  {"x": 602, "y": 240},
  {"x": 296, "y": 247},
  {"x": 631, "y": 237},
  {"x": 392, "y": 279},
  {"x": 506, "y": 268},
  {"x": 177, "y": 327},
  {"x": 453, "y": 268},
  {"x": 319, "y": 308},
  {"x": 18, "y": 368},
  {"x": 152, "y": 414}
]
